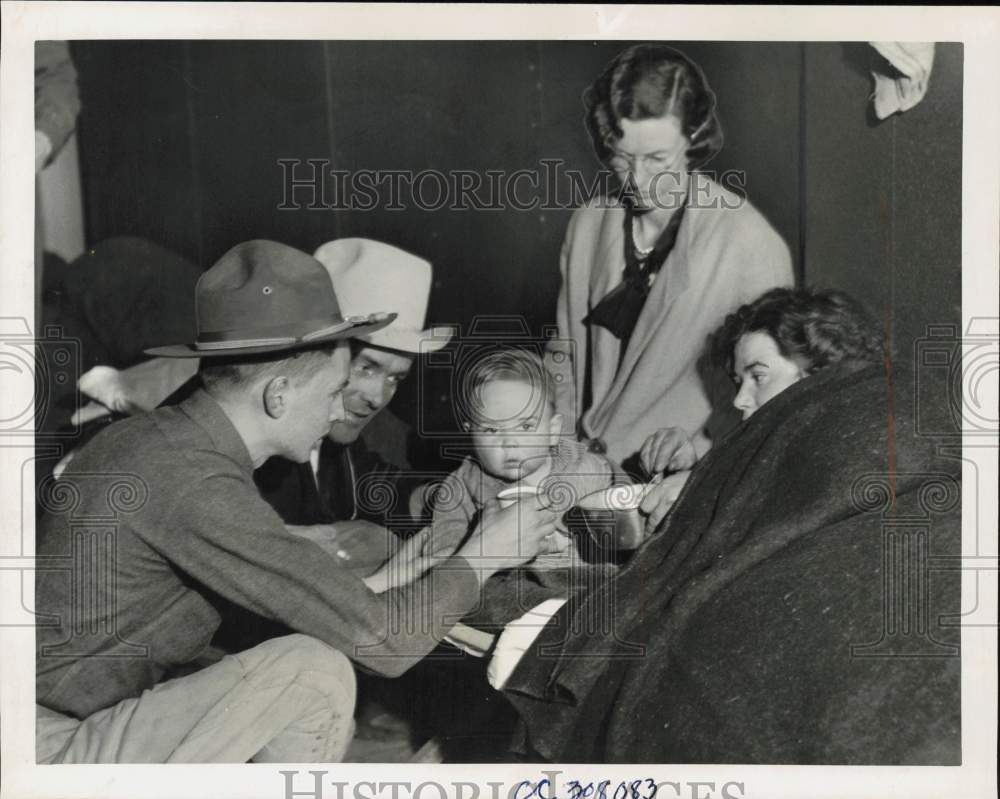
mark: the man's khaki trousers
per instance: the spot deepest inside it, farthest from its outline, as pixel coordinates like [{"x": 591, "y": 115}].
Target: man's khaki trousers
[{"x": 288, "y": 700}]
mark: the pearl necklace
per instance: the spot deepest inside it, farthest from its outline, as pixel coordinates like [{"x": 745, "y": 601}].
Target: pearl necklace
[{"x": 641, "y": 252}]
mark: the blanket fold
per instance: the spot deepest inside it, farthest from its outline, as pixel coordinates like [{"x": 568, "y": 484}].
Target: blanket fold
[{"x": 743, "y": 631}]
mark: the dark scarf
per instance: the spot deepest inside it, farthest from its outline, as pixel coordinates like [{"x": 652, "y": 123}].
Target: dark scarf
[{"x": 619, "y": 310}]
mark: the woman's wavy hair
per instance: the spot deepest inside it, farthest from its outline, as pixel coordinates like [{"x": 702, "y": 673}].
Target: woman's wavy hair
[
  {"x": 816, "y": 327},
  {"x": 647, "y": 81}
]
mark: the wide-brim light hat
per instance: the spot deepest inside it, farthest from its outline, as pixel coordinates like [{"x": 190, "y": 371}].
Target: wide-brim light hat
[
  {"x": 369, "y": 275},
  {"x": 263, "y": 297}
]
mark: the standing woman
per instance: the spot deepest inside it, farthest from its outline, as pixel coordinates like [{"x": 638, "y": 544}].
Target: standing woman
[{"x": 646, "y": 278}]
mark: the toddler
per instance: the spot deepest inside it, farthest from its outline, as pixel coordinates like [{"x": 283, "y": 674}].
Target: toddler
[{"x": 508, "y": 403}]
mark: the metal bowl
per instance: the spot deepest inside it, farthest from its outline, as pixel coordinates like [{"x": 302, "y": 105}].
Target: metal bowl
[{"x": 611, "y": 517}]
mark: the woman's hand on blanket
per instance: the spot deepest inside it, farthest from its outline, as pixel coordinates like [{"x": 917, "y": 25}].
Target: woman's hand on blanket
[
  {"x": 669, "y": 449},
  {"x": 660, "y": 498}
]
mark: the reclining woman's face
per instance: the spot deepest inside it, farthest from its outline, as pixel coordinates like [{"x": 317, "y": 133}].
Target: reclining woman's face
[{"x": 761, "y": 371}]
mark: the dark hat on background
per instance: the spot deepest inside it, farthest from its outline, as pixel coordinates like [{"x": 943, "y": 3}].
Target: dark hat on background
[
  {"x": 262, "y": 297},
  {"x": 122, "y": 296}
]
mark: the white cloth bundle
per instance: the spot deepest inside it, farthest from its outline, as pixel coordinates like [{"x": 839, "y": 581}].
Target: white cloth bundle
[
  {"x": 900, "y": 93},
  {"x": 139, "y": 388}
]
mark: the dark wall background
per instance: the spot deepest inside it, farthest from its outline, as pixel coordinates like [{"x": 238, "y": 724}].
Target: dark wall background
[
  {"x": 883, "y": 210},
  {"x": 180, "y": 143}
]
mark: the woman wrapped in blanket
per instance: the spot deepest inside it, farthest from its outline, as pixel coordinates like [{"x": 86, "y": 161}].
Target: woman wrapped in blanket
[
  {"x": 772, "y": 343},
  {"x": 788, "y": 334},
  {"x": 751, "y": 627}
]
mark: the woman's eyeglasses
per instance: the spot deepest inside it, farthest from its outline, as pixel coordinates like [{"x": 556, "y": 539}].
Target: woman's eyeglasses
[{"x": 651, "y": 163}]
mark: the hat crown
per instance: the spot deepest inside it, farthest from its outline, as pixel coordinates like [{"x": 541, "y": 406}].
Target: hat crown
[
  {"x": 369, "y": 275},
  {"x": 265, "y": 286},
  {"x": 261, "y": 297}
]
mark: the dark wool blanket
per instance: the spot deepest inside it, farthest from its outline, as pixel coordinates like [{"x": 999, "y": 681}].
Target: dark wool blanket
[{"x": 799, "y": 604}]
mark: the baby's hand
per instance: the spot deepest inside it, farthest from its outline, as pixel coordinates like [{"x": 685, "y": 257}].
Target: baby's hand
[
  {"x": 555, "y": 543},
  {"x": 559, "y": 553}
]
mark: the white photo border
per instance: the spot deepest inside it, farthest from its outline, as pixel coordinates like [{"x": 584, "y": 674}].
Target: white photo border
[{"x": 24, "y": 22}]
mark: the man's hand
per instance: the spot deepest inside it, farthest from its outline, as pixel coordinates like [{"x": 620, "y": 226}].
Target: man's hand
[
  {"x": 668, "y": 449},
  {"x": 409, "y": 563},
  {"x": 505, "y": 538},
  {"x": 660, "y": 499}
]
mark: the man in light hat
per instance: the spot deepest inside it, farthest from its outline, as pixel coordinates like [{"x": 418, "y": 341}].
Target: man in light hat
[
  {"x": 158, "y": 515},
  {"x": 366, "y": 275}
]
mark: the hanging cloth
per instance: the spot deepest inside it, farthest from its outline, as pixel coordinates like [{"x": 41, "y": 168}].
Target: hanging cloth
[{"x": 902, "y": 91}]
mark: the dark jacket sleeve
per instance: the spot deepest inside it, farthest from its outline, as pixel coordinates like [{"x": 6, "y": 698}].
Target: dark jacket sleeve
[{"x": 381, "y": 489}]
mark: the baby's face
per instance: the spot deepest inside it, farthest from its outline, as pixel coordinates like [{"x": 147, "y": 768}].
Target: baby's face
[{"x": 513, "y": 429}]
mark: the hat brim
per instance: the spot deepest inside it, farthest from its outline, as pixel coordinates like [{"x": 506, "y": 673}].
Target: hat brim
[
  {"x": 191, "y": 351},
  {"x": 413, "y": 342}
]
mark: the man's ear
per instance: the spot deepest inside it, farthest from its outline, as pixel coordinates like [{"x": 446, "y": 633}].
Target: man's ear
[
  {"x": 275, "y": 397},
  {"x": 555, "y": 428}
]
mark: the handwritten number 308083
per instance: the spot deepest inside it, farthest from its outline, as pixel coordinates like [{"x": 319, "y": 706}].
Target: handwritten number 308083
[{"x": 637, "y": 789}]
